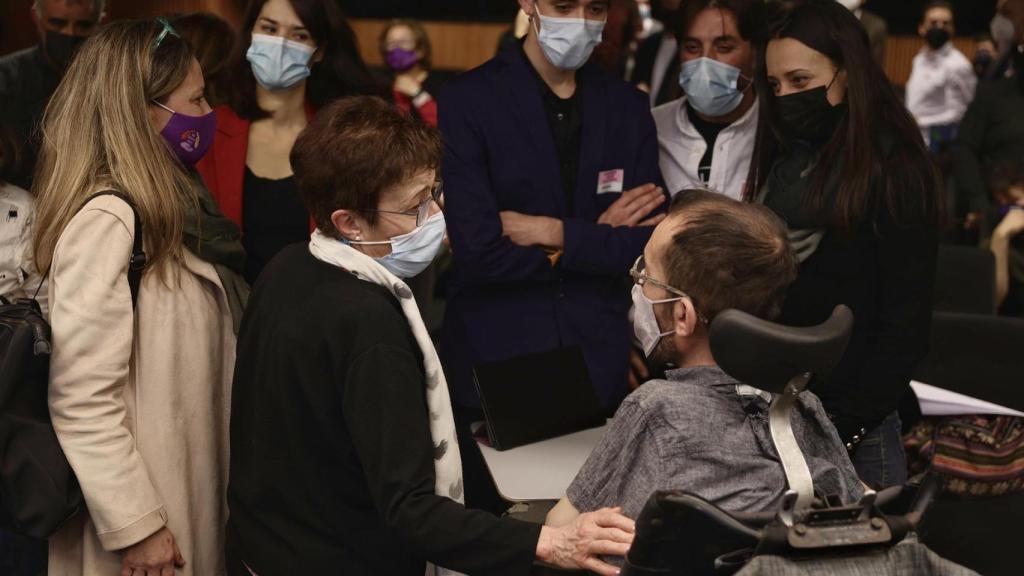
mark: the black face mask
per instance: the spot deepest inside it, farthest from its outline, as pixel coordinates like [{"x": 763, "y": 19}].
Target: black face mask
[
  {"x": 808, "y": 115},
  {"x": 982, "y": 60},
  {"x": 61, "y": 48},
  {"x": 936, "y": 37}
]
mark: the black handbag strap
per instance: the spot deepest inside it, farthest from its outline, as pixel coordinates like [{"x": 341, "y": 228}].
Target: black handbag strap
[{"x": 137, "y": 262}]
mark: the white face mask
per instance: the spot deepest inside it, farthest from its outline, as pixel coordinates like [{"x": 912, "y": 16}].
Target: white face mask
[
  {"x": 645, "y": 323},
  {"x": 411, "y": 253},
  {"x": 567, "y": 42},
  {"x": 851, "y": 5},
  {"x": 711, "y": 86},
  {"x": 278, "y": 63}
]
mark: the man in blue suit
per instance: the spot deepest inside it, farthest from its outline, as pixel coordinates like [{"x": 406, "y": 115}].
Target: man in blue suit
[{"x": 551, "y": 191}]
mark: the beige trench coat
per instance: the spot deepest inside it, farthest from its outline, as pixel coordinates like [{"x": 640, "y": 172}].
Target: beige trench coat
[{"x": 139, "y": 401}]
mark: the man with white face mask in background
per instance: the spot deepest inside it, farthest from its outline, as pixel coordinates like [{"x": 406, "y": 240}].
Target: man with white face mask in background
[
  {"x": 551, "y": 189},
  {"x": 706, "y": 138}
]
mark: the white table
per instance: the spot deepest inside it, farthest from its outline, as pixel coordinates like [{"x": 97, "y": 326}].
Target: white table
[{"x": 543, "y": 470}]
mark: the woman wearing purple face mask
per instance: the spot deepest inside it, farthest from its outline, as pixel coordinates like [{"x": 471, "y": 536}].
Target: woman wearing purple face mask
[
  {"x": 140, "y": 373},
  {"x": 405, "y": 49}
]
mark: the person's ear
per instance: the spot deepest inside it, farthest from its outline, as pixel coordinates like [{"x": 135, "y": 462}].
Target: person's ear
[
  {"x": 348, "y": 224},
  {"x": 319, "y": 55},
  {"x": 921, "y": 29},
  {"x": 528, "y": 6},
  {"x": 684, "y": 318}
]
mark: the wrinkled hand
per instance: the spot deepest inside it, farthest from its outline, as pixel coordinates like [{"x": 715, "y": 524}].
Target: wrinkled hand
[
  {"x": 526, "y": 230},
  {"x": 406, "y": 84},
  {"x": 1011, "y": 225},
  {"x": 633, "y": 205},
  {"x": 578, "y": 546},
  {"x": 638, "y": 372},
  {"x": 157, "y": 555}
]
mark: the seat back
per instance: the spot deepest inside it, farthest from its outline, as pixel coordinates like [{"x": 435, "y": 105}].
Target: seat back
[
  {"x": 965, "y": 280},
  {"x": 980, "y": 356}
]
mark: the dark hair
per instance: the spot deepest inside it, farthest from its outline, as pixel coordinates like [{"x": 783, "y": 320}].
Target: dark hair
[
  {"x": 342, "y": 71},
  {"x": 418, "y": 32},
  {"x": 212, "y": 40},
  {"x": 875, "y": 139},
  {"x": 749, "y": 14},
  {"x": 382, "y": 148},
  {"x": 729, "y": 254}
]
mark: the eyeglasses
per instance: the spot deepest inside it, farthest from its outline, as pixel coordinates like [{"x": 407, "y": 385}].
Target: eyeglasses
[
  {"x": 168, "y": 29},
  {"x": 422, "y": 212},
  {"x": 639, "y": 275}
]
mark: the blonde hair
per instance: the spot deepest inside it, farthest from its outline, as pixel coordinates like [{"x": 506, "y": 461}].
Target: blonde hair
[{"x": 97, "y": 135}]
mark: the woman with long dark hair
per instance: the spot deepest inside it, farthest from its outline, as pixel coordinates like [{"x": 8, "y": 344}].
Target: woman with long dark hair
[
  {"x": 841, "y": 160},
  {"x": 292, "y": 57}
]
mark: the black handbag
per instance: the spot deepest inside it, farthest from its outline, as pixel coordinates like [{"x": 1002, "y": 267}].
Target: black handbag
[{"x": 38, "y": 489}]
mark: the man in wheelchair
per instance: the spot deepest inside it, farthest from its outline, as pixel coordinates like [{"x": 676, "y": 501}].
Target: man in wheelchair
[{"x": 700, "y": 430}]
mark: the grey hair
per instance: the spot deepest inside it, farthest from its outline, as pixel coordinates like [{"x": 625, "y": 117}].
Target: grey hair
[{"x": 99, "y": 4}]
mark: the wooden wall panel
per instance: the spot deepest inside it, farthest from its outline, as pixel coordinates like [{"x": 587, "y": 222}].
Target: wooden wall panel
[{"x": 456, "y": 45}]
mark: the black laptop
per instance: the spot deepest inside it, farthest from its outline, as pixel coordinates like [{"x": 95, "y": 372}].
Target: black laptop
[{"x": 536, "y": 397}]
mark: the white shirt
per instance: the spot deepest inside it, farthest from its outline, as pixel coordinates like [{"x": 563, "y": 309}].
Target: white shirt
[
  {"x": 18, "y": 275},
  {"x": 941, "y": 86},
  {"x": 681, "y": 148}
]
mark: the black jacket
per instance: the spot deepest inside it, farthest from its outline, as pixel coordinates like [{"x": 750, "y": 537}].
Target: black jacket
[
  {"x": 884, "y": 270},
  {"x": 991, "y": 133},
  {"x": 27, "y": 82},
  {"x": 332, "y": 468}
]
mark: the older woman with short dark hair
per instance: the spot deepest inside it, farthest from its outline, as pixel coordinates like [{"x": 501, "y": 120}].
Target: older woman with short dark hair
[{"x": 343, "y": 450}]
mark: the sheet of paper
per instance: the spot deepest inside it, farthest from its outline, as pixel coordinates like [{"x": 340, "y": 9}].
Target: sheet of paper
[{"x": 937, "y": 401}]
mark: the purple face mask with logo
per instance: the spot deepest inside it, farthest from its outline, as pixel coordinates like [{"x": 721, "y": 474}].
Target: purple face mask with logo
[
  {"x": 189, "y": 137},
  {"x": 400, "y": 59}
]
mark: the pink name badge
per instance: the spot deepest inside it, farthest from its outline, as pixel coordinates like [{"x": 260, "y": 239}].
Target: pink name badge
[{"x": 610, "y": 181}]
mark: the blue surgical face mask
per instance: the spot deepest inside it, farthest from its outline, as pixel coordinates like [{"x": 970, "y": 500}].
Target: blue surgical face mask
[
  {"x": 411, "y": 253},
  {"x": 567, "y": 42},
  {"x": 278, "y": 63},
  {"x": 711, "y": 86}
]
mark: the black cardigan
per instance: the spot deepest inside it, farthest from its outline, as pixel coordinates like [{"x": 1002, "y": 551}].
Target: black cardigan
[
  {"x": 885, "y": 272},
  {"x": 332, "y": 468}
]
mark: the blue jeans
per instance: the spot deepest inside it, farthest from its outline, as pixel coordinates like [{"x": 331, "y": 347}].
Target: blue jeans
[
  {"x": 21, "y": 556},
  {"x": 879, "y": 458}
]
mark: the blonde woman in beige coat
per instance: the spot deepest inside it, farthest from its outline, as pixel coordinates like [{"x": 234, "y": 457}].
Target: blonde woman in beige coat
[{"x": 139, "y": 399}]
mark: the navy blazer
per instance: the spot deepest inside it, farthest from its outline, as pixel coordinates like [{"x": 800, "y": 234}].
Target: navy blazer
[{"x": 508, "y": 300}]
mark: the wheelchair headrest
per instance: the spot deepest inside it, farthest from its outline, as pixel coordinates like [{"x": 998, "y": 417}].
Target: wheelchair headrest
[{"x": 767, "y": 356}]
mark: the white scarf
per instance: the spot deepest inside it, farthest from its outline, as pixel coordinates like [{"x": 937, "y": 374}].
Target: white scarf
[{"x": 447, "y": 461}]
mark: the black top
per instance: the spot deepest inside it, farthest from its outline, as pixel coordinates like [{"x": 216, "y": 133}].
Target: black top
[
  {"x": 709, "y": 131},
  {"x": 565, "y": 115},
  {"x": 273, "y": 217},
  {"x": 885, "y": 272},
  {"x": 990, "y": 134},
  {"x": 332, "y": 467},
  {"x": 27, "y": 81}
]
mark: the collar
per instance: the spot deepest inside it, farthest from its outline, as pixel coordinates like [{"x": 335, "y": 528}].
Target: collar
[
  {"x": 687, "y": 128},
  {"x": 713, "y": 377}
]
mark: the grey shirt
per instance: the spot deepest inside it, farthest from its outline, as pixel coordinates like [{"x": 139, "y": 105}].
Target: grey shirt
[{"x": 703, "y": 432}]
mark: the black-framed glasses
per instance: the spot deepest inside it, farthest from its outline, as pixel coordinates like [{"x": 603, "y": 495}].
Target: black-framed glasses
[
  {"x": 422, "y": 212},
  {"x": 640, "y": 277},
  {"x": 168, "y": 29}
]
